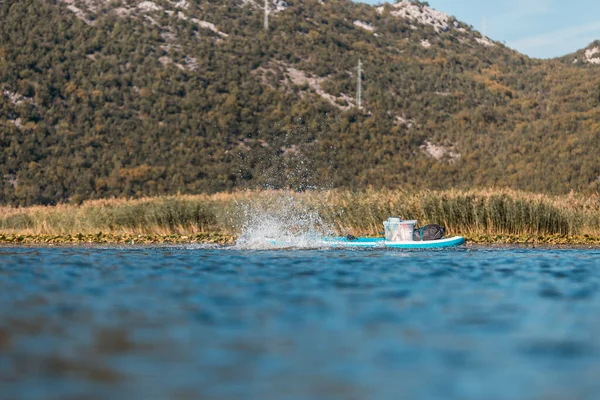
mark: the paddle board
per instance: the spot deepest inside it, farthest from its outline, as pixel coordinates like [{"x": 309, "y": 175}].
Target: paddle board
[
  {"x": 382, "y": 243},
  {"x": 377, "y": 243}
]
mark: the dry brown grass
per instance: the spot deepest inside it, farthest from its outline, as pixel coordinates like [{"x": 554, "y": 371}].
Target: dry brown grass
[{"x": 361, "y": 213}]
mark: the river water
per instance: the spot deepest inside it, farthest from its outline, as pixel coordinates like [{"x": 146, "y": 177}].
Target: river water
[{"x": 217, "y": 323}]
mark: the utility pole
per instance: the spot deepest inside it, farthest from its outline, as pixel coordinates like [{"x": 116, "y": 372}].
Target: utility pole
[
  {"x": 359, "y": 85},
  {"x": 267, "y": 15}
]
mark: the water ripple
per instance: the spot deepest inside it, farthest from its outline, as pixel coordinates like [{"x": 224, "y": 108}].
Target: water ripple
[{"x": 207, "y": 322}]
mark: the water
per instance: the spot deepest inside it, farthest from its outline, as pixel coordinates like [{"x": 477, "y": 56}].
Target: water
[{"x": 212, "y": 323}]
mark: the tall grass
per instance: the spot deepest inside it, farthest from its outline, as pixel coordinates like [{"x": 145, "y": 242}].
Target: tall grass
[
  {"x": 359, "y": 213},
  {"x": 477, "y": 211}
]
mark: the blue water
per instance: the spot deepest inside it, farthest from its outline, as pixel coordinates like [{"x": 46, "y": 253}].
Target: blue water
[{"x": 191, "y": 323}]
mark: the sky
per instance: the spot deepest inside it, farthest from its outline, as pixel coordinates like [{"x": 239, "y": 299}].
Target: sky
[{"x": 538, "y": 28}]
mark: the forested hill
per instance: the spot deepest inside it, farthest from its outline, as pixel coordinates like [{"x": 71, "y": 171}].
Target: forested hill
[{"x": 132, "y": 98}]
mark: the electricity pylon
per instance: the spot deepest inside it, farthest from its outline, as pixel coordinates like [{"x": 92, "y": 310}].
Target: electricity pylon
[{"x": 359, "y": 85}]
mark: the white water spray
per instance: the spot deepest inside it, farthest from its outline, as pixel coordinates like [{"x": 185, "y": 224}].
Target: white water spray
[
  {"x": 281, "y": 217},
  {"x": 284, "y": 222}
]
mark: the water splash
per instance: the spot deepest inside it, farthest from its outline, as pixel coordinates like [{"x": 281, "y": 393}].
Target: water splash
[
  {"x": 283, "y": 222},
  {"x": 285, "y": 162}
]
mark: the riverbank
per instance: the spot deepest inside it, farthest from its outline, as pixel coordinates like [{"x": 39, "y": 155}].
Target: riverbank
[
  {"x": 101, "y": 238},
  {"x": 482, "y": 216},
  {"x": 220, "y": 239},
  {"x": 547, "y": 240}
]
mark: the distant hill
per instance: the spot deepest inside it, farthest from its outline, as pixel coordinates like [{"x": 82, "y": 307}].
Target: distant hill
[
  {"x": 590, "y": 56},
  {"x": 135, "y": 98}
]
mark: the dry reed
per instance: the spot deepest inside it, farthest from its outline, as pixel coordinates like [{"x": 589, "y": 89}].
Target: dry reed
[{"x": 360, "y": 213}]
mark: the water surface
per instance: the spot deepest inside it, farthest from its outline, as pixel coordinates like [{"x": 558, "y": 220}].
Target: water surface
[{"x": 212, "y": 323}]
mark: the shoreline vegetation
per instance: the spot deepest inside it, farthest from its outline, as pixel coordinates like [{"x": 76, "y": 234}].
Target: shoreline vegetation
[{"x": 491, "y": 216}]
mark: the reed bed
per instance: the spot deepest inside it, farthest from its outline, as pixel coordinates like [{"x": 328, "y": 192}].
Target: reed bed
[{"x": 474, "y": 212}]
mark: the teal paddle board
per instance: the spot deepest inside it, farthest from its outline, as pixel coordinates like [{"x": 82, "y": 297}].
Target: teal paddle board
[
  {"x": 376, "y": 243},
  {"x": 343, "y": 242}
]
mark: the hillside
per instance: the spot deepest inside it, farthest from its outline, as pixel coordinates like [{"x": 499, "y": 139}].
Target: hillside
[
  {"x": 588, "y": 57},
  {"x": 132, "y": 98}
]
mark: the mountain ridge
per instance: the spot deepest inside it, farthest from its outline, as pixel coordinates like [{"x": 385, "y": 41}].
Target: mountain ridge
[
  {"x": 130, "y": 98},
  {"x": 588, "y": 56}
]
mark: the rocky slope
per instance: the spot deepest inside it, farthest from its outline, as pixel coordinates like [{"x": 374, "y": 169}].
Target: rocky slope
[
  {"x": 131, "y": 98},
  {"x": 590, "y": 56}
]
